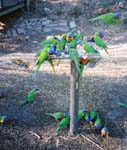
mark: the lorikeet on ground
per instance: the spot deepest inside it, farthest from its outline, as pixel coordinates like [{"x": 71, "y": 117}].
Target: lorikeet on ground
[
  {"x": 57, "y": 115},
  {"x": 3, "y": 119},
  {"x": 104, "y": 131},
  {"x": 123, "y": 104},
  {"x": 81, "y": 114},
  {"x": 109, "y": 18},
  {"x": 93, "y": 115},
  {"x": 87, "y": 117},
  {"x": 63, "y": 123},
  {"x": 30, "y": 97},
  {"x": 98, "y": 123}
]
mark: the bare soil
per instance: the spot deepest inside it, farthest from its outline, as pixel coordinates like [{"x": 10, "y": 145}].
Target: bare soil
[{"x": 101, "y": 87}]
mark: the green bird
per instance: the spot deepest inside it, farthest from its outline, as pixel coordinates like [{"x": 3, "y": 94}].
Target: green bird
[
  {"x": 87, "y": 117},
  {"x": 109, "y": 18},
  {"x": 30, "y": 97},
  {"x": 42, "y": 49},
  {"x": 57, "y": 115},
  {"x": 93, "y": 115},
  {"x": 88, "y": 48},
  {"x": 73, "y": 54},
  {"x": 51, "y": 62},
  {"x": 61, "y": 44},
  {"x": 51, "y": 40},
  {"x": 78, "y": 36},
  {"x": 99, "y": 42},
  {"x": 72, "y": 44},
  {"x": 63, "y": 123},
  {"x": 122, "y": 104},
  {"x": 98, "y": 123},
  {"x": 81, "y": 114},
  {"x": 104, "y": 131},
  {"x": 42, "y": 58}
]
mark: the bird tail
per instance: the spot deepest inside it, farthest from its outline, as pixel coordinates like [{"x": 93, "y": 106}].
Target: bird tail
[
  {"x": 93, "y": 19},
  {"x": 52, "y": 64},
  {"x": 48, "y": 114},
  {"x": 106, "y": 51},
  {"x": 58, "y": 129},
  {"x": 36, "y": 71},
  {"x": 23, "y": 102}
]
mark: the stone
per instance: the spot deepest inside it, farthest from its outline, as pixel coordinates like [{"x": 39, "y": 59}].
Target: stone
[
  {"x": 8, "y": 33},
  {"x": 21, "y": 31},
  {"x": 47, "y": 10},
  {"x": 46, "y": 22},
  {"x": 54, "y": 28},
  {"x": 2, "y": 36},
  {"x": 115, "y": 114},
  {"x": 13, "y": 31},
  {"x": 72, "y": 24}
]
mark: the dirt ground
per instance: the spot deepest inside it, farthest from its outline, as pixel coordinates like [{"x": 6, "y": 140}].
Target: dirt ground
[{"x": 101, "y": 87}]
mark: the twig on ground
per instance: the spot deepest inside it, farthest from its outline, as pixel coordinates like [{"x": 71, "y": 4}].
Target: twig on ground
[
  {"x": 91, "y": 141},
  {"x": 35, "y": 134}
]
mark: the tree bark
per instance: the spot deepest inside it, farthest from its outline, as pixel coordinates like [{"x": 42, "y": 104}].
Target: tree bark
[{"x": 74, "y": 99}]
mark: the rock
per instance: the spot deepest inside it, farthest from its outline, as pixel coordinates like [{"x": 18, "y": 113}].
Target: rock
[
  {"x": 2, "y": 35},
  {"x": 8, "y": 33},
  {"x": 124, "y": 17},
  {"x": 72, "y": 24},
  {"x": 115, "y": 114},
  {"x": 13, "y": 31},
  {"x": 21, "y": 31},
  {"x": 2, "y": 93},
  {"x": 54, "y": 28},
  {"x": 47, "y": 10}
]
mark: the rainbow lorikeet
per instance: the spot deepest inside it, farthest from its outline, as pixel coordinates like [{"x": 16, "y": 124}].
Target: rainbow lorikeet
[
  {"x": 49, "y": 41},
  {"x": 87, "y": 117},
  {"x": 108, "y": 18},
  {"x": 104, "y": 131},
  {"x": 61, "y": 44},
  {"x": 123, "y": 104},
  {"x": 93, "y": 115},
  {"x": 42, "y": 57},
  {"x": 81, "y": 114},
  {"x": 73, "y": 53},
  {"x": 88, "y": 48},
  {"x": 99, "y": 42},
  {"x": 30, "y": 97},
  {"x": 98, "y": 123},
  {"x": 57, "y": 115},
  {"x": 3, "y": 119},
  {"x": 63, "y": 123}
]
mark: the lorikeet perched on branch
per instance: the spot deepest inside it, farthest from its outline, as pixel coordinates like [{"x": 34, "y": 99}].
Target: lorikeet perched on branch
[
  {"x": 42, "y": 57},
  {"x": 99, "y": 42},
  {"x": 88, "y": 48}
]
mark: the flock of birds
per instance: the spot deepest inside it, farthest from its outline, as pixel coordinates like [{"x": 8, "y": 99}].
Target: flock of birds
[
  {"x": 74, "y": 45},
  {"x": 91, "y": 117}
]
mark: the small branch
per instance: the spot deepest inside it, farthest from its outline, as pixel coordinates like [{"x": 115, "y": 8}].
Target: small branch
[
  {"x": 91, "y": 141},
  {"x": 90, "y": 56},
  {"x": 35, "y": 134}
]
